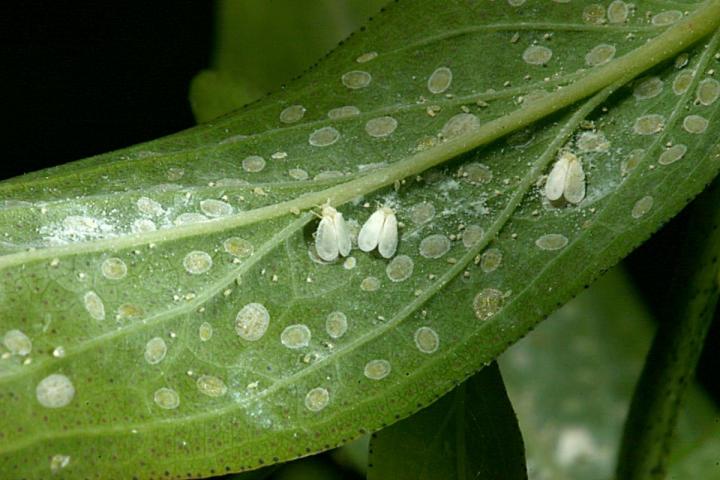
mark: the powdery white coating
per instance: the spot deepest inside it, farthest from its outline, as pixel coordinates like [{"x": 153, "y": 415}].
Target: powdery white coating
[
  {"x": 323, "y": 137},
  {"x": 356, "y": 79},
  {"x": 642, "y": 206},
  {"x": 113, "y": 268},
  {"x": 155, "y": 350},
  {"x": 298, "y": 174},
  {"x": 381, "y": 126},
  {"x": 617, "y": 12},
  {"x": 400, "y": 268},
  {"x": 440, "y": 80},
  {"x": 17, "y": 343},
  {"x": 491, "y": 260},
  {"x": 672, "y": 154},
  {"x": 343, "y": 112},
  {"x": 332, "y": 237},
  {"x": 211, "y": 386},
  {"x": 708, "y": 91},
  {"x": 205, "y": 331},
  {"x": 197, "y": 262},
  {"x": 370, "y": 284},
  {"x": 537, "y": 55},
  {"x": 317, "y": 399},
  {"x": 142, "y": 225},
  {"x": 377, "y": 369},
  {"x": 336, "y": 324},
  {"x": 166, "y": 398},
  {"x": 695, "y": 124},
  {"x": 422, "y": 213},
  {"x": 215, "y": 208},
  {"x": 55, "y": 391},
  {"x": 426, "y": 340},
  {"x": 380, "y": 231},
  {"x": 487, "y": 303},
  {"x": 149, "y": 206},
  {"x": 594, "y": 14},
  {"x": 189, "y": 217},
  {"x": 366, "y": 57},
  {"x": 328, "y": 174},
  {"x": 593, "y": 142},
  {"x": 292, "y": 114},
  {"x": 94, "y": 305},
  {"x": 551, "y": 241},
  {"x": 238, "y": 247},
  {"x": 58, "y": 462},
  {"x": 515, "y": 3},
  {"x": 666, "y": 18},
  {"x": 648, "y": 87},
  {"x": 296, "y": 336},
  {"x": 682, "y": 82},
  {"x": 460, "y": 124},
  {"x": 600, "y": 55},
  {"x": 476, "y": 173},
  {"x": 434, "y": 246},
  {"x": 252, "y": 321},
  {"x": 566, "y": 180},
  {"x": 472, "y": 235},
  {"x": 649, "y": 124},
  {"x": 253, "y": 164}
]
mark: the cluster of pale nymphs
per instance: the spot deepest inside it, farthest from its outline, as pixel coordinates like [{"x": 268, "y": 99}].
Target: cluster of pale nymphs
[{"x": 333, "y": 237}]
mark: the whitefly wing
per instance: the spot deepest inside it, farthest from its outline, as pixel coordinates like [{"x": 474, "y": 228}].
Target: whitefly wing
[
  {"x": 369, "y": 235},
  {"x": 343, "y": 235},
  {"x": 326, "y": 239},
  {"x": 388, "y": 240},
  {"x": 574, "y": 190},
  {"x": 555, "y": 184}
]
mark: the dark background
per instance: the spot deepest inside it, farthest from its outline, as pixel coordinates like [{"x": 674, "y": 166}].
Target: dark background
[
  {"x": 84, "y": 78},
  {"x": 99, "y": 76}
]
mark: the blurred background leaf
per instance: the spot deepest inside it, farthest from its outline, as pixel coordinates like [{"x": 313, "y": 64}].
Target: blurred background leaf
[
  {"x": 261, "y": 44},
  {"x": 471, "y": 432},
  {"x": 571, "y": 381}
]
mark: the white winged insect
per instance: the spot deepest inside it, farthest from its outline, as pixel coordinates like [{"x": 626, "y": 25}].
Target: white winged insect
[
  {"x": 332, "y": 237},
  {"x": 566, "y": 180},
  {"x": 380, "y": 231}
]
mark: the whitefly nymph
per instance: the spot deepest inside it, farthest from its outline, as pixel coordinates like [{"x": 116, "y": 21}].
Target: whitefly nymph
[
  {"x": 332, "y": 237},
  {"x": 566, "y": 180},
  {"x": 381, "y": 232}
]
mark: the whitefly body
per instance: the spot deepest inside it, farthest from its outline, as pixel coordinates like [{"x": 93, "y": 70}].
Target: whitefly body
[
  {"x": 566, "y": 180},
  {"x": 332, "y": 237},
  {"x": 381, "y": 232}
]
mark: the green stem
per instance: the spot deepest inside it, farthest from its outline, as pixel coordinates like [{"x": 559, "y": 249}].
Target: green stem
[
  {"x": 674, "y": 40},
  {"x": 675, "y": 351}
]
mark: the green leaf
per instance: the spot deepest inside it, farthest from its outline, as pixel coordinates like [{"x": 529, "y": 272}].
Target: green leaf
[
  {"x": 470, "y": 433},
  {"x": 571, "y": 381},
  {"x": 98, "y": 270},
  {"x": 258, "y": 48},
  {"x": 649, "y": 429}
]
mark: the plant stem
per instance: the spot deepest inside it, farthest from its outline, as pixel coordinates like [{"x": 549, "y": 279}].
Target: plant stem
[{"x": 675, "y": 351}]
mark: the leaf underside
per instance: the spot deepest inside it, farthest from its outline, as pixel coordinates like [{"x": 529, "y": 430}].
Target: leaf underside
[{"x": 90, "y": 263}]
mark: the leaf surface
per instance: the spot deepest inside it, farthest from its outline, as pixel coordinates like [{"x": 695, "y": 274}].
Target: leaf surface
[
  {"x": 470, "y": 433},
  {"x": 127, "y": 272}
]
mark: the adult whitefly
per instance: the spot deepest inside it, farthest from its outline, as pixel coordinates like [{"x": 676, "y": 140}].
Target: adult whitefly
[
  {"x": 380, "y": 231},
  {"x": 332, "y": 237}
]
